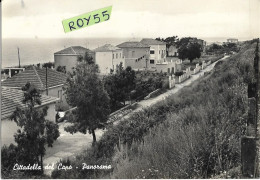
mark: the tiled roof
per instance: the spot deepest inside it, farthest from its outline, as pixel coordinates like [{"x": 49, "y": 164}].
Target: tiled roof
[
  {"x": 150, "y": 41},
  {"x": 133, "y": 44},
  {"x": 37, "y": 77},
  {"x": 74, "y": 50},
  {"x": 12, "y": 98},
  {"x": 106, "y": 47}
]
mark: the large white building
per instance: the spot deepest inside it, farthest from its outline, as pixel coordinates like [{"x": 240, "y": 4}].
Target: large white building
[
  {"x": 157, "y": 51},
  {"x": 68, "y": 57},
  {"x": 108, "y": 57}
]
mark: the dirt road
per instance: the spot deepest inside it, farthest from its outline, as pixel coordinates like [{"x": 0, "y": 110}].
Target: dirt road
[{"x": 68, "y": 145}]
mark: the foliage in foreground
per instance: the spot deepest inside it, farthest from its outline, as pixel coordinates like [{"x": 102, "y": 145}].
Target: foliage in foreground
[
  {"x": 85, "y": 90},
  {"x": 34, "y": 135},
  {"x": 194, "y": 134}
]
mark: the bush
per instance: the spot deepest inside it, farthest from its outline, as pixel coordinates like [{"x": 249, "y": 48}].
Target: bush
[
  {"x": 192, "y": 134},
  {"x": 178, "y": 73}
]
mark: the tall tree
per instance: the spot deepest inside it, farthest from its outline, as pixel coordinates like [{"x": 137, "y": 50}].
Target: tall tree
[
  {"x": 194, "y": 51},
  {"x": 170, "y": 41},
  {"x": 85, "y": 90},
  {"x": 119, "y": 85},
  {"x": 35, "y": 130}
]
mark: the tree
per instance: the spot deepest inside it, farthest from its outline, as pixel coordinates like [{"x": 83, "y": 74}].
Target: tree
[
  {"x": 119, "y": 85},
  {"x": 35, "y": 130},
  {"x": 194, "y": 51},
  {"x": 170, "y": 41},
  {"x": 229, "y": 47},
  {"x": 189, "y": 51},
  {"x": 85, "y": 90},
  {"x": 48, "y": 65},
  {"x": 183, "y": 52},
  {"x": 61, "y": 69},
  {"x": 215, "y": 49}
]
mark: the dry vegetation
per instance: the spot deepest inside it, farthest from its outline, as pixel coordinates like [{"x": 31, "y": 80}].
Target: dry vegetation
[{"x": 193, "y": 134}]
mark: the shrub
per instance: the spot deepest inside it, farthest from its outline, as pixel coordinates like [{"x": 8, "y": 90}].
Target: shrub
[{"x": 192, "y": 134}]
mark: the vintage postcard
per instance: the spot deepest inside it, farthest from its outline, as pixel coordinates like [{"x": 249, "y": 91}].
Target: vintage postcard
[{"x": 130, "y": 89}]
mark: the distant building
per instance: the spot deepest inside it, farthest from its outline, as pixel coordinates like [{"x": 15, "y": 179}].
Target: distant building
[
  {"x": 37, "y": 77},
  {"x": 232, "y": 40},
  {"x": 68, "y": 57},
  {"x": 108, "y": 57},
  {"x": 173, "y": 51},
  {"x": 12, "y": 98},
  {"x": 136, "y": 54},
  {"x": 157, "y": 51}
]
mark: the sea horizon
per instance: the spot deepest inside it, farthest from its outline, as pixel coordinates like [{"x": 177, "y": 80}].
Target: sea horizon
[{"x": 41, "y": 50}]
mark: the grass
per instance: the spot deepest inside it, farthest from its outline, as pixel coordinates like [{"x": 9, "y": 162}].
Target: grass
[{"x": 193, "y": 134}]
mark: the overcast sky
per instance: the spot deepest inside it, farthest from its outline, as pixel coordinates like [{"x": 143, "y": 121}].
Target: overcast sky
[{"x": 134, "y": 18}]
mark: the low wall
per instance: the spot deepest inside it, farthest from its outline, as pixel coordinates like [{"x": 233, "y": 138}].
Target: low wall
[
  {"x": 171, "y": 81},
  {"x": 117, "y": 115},
  {"x": 180, "y": 79},
  {"x": 196, "y": 70},
  {"x": 151, "y": 94}
]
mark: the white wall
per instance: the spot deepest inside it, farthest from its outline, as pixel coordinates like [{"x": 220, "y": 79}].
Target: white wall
[
  {"x": 69, "y": 61},
  {"x": 9, "y": 128},
  {"x": 109, "y": 60}
]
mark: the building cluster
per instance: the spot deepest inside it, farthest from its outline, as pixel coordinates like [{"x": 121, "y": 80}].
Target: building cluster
[{"x": 148, "y": 54}]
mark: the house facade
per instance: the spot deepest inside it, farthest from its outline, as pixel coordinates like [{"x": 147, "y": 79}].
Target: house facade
[
  {"x": 68, "y": 57},
  {"x": 47, "y": 81},
  {"x": 232, "y": 40},
  {"x": 108, "y": 57},
  {"x": 157, "y": 51},
  {"x": 173, "y": 51},
  {"x": 12, "y": 98},
  {"x": 136, "y": 54}
]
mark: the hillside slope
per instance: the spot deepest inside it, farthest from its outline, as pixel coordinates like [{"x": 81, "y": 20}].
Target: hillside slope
[{"x": 192, "y": 134}]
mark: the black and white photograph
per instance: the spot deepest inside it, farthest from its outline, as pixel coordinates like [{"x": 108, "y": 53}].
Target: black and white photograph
[{"x": 130, "y": 89}]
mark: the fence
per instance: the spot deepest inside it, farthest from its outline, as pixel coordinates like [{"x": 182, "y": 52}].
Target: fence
[
  {"x": 250, "y": 142},
  {"x": 171, "y": 81},
  {"x": 197, "y": 69}
]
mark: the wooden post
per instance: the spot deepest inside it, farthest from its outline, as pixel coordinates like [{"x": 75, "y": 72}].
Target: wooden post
[
  {"x": 46, "y": 80},
  {"x": 250, "y": 143}
]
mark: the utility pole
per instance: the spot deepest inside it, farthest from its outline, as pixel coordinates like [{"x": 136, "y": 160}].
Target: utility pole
[
  {"x": 46, "y": 80},
  {"x": 19, "y": 57}
]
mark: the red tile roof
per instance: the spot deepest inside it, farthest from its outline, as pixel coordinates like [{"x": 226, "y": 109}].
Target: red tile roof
[
  {"x": 133, "y": 44},
  {"x": 74, "y": 50},
  {"x": 12, "y": 98},
  {"x": 37, "y": 77}
]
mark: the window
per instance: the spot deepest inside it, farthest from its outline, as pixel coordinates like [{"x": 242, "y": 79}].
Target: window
[
  {"x": 113, "y": 56},
  {"x": 120, "y": 55},
  {"x": 152, "y": 52},
  {"x": 159, "y": 51},
  {"x": 116, "y": 56},
  {"x": 60, "y": 94},
  {"x": 133, "y": 53},
  {"x": 151, "y": 61}
]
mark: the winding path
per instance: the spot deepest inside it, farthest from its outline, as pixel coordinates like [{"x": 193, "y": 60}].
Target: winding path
[{"x": 68, "y": 145}]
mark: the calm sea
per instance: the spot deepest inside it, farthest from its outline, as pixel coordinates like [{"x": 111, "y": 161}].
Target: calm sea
[{"x": 34, "y": 51}]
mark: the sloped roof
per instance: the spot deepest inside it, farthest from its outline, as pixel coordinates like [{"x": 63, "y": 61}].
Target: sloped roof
[
  {"x": 74, "y": 50},
  {"x": 12, "y": 98},
  {"x": 106, "y": 47},
  {"x": 37, "y": 77},
  {"x": 150, "y": 41},
  {"x": 133, "y": 44}
]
